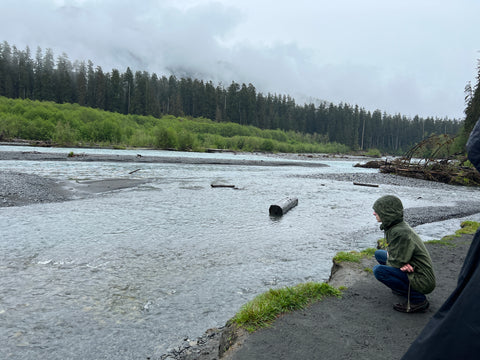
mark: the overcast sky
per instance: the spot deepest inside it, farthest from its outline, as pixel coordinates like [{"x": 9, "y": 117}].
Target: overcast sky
[{"x": 412, "y": 57}]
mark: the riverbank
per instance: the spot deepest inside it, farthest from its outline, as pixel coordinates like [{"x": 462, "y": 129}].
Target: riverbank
[
  {"x": 140, "y": 157},
  {"x": 20, "y": 189}
]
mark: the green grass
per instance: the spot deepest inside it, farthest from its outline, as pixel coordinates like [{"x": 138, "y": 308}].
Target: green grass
[
  {"x": 467, "y": 227},
  {"x": 353, "y": 256},
  {"x": 446, "y": 241},
  {"x": 266, "y": 307}
]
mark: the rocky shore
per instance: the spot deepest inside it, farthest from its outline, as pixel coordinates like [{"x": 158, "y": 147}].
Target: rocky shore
[
  {"x": 139, "y": 158},
  {"x": 19, "y": 189}
]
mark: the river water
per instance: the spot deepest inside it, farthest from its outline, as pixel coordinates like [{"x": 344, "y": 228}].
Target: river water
[{"x": 129, "y": 273}]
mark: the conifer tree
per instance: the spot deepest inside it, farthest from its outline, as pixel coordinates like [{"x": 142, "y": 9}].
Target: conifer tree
[
  {"x": 64, "y": 85},
  {"x": 100, "y": 88},
  {"x": 48, "y": 76},
  {"x": 81, "y": 83},
  {"x": 472, "y": 99},
  {"x": 91, "y": 86},
  {"x": 6, "y": 71}
]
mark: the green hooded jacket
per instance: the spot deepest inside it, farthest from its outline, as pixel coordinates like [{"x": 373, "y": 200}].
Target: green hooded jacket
[{"x": 404, "y": 246}]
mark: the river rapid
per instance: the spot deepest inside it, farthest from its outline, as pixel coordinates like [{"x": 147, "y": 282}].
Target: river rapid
[{"x": 129, "y": 273}]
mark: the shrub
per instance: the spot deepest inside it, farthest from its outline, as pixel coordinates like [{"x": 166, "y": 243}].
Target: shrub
[
  {"x": 267, "y": 145},
  {"x": 166, "y": 138},
  {"x": 373, "y": 153},
  {"x": 64, "y": 134},
  {"x": 186, "y": 141},
  {"x": 141, "y": 139}
]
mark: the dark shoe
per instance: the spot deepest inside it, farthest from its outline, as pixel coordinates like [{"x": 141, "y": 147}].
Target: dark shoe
[{"x": 419, "y": 307}]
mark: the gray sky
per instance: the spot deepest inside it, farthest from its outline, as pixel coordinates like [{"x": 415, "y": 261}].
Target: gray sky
[{"x": 405, "y": 56}]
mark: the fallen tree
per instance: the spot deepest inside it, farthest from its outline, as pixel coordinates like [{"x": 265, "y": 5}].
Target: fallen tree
[
  {"x": 445, "y": 172},
  {"x": 450, "y": 169}
]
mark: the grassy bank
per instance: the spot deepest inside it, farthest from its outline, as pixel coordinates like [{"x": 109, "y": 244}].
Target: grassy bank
[
  {"x": 266, "y": 307},
  {"x": 74, "y": 125}
]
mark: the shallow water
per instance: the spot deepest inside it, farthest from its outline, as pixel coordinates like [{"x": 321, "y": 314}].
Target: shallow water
[{"x": 129, "y": 273}]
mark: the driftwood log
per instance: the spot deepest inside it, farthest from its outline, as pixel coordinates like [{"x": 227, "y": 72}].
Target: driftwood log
[
  {"x": 361, "y": 184},
  {"x": 222, "y": 186},
  {"x": 283, "y": 206},
  {"x": 374, "y": 164},
  {"x": 448, "y": 172}
]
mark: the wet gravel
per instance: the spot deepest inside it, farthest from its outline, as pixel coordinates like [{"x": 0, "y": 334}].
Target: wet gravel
[
  {"x": 18, "y": 189},
  {"x": 380, "y": 179}
]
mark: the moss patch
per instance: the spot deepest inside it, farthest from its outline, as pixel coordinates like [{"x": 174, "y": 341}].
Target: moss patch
[
  {"x": 468, "y": 227},
  {"x": 353, "y": 256},
  {"x": 266, "y": 307}
]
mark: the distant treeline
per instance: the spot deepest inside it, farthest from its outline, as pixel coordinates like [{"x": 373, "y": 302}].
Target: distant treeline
[{"x": 141, "y": 93}]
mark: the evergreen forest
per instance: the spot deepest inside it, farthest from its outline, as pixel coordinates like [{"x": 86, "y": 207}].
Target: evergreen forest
[{"x": 43, "y": 77}]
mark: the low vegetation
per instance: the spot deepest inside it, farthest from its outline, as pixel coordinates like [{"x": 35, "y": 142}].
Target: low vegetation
[
  {"x": 467, "y": 227},
  {"x": 266, "y": 307},
  {"x": 74, "y": 125},
  {"x": 353, "y": 256}
]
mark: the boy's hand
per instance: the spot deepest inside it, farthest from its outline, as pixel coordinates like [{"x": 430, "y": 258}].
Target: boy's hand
[{"x": 407, "y": 268}]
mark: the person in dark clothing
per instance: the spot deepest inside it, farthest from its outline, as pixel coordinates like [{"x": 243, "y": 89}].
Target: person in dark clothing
[
  {"x": 406, "y": 266},
  {"x": 454, "y": 331}
]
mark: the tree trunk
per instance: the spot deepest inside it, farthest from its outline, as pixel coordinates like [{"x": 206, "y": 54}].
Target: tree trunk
[{"x": 283, "y": 206}]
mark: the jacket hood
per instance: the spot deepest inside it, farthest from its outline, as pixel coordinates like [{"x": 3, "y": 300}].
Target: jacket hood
[
  {"x": 473, "y": 146},
  {"x": 390, "y": 210}
]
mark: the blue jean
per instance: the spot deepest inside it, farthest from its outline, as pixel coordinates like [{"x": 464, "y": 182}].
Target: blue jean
[{"x": 394, "y": 278}]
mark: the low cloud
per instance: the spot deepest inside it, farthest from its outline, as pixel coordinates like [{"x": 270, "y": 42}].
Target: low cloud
[{"x": 220, "y": 42}]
